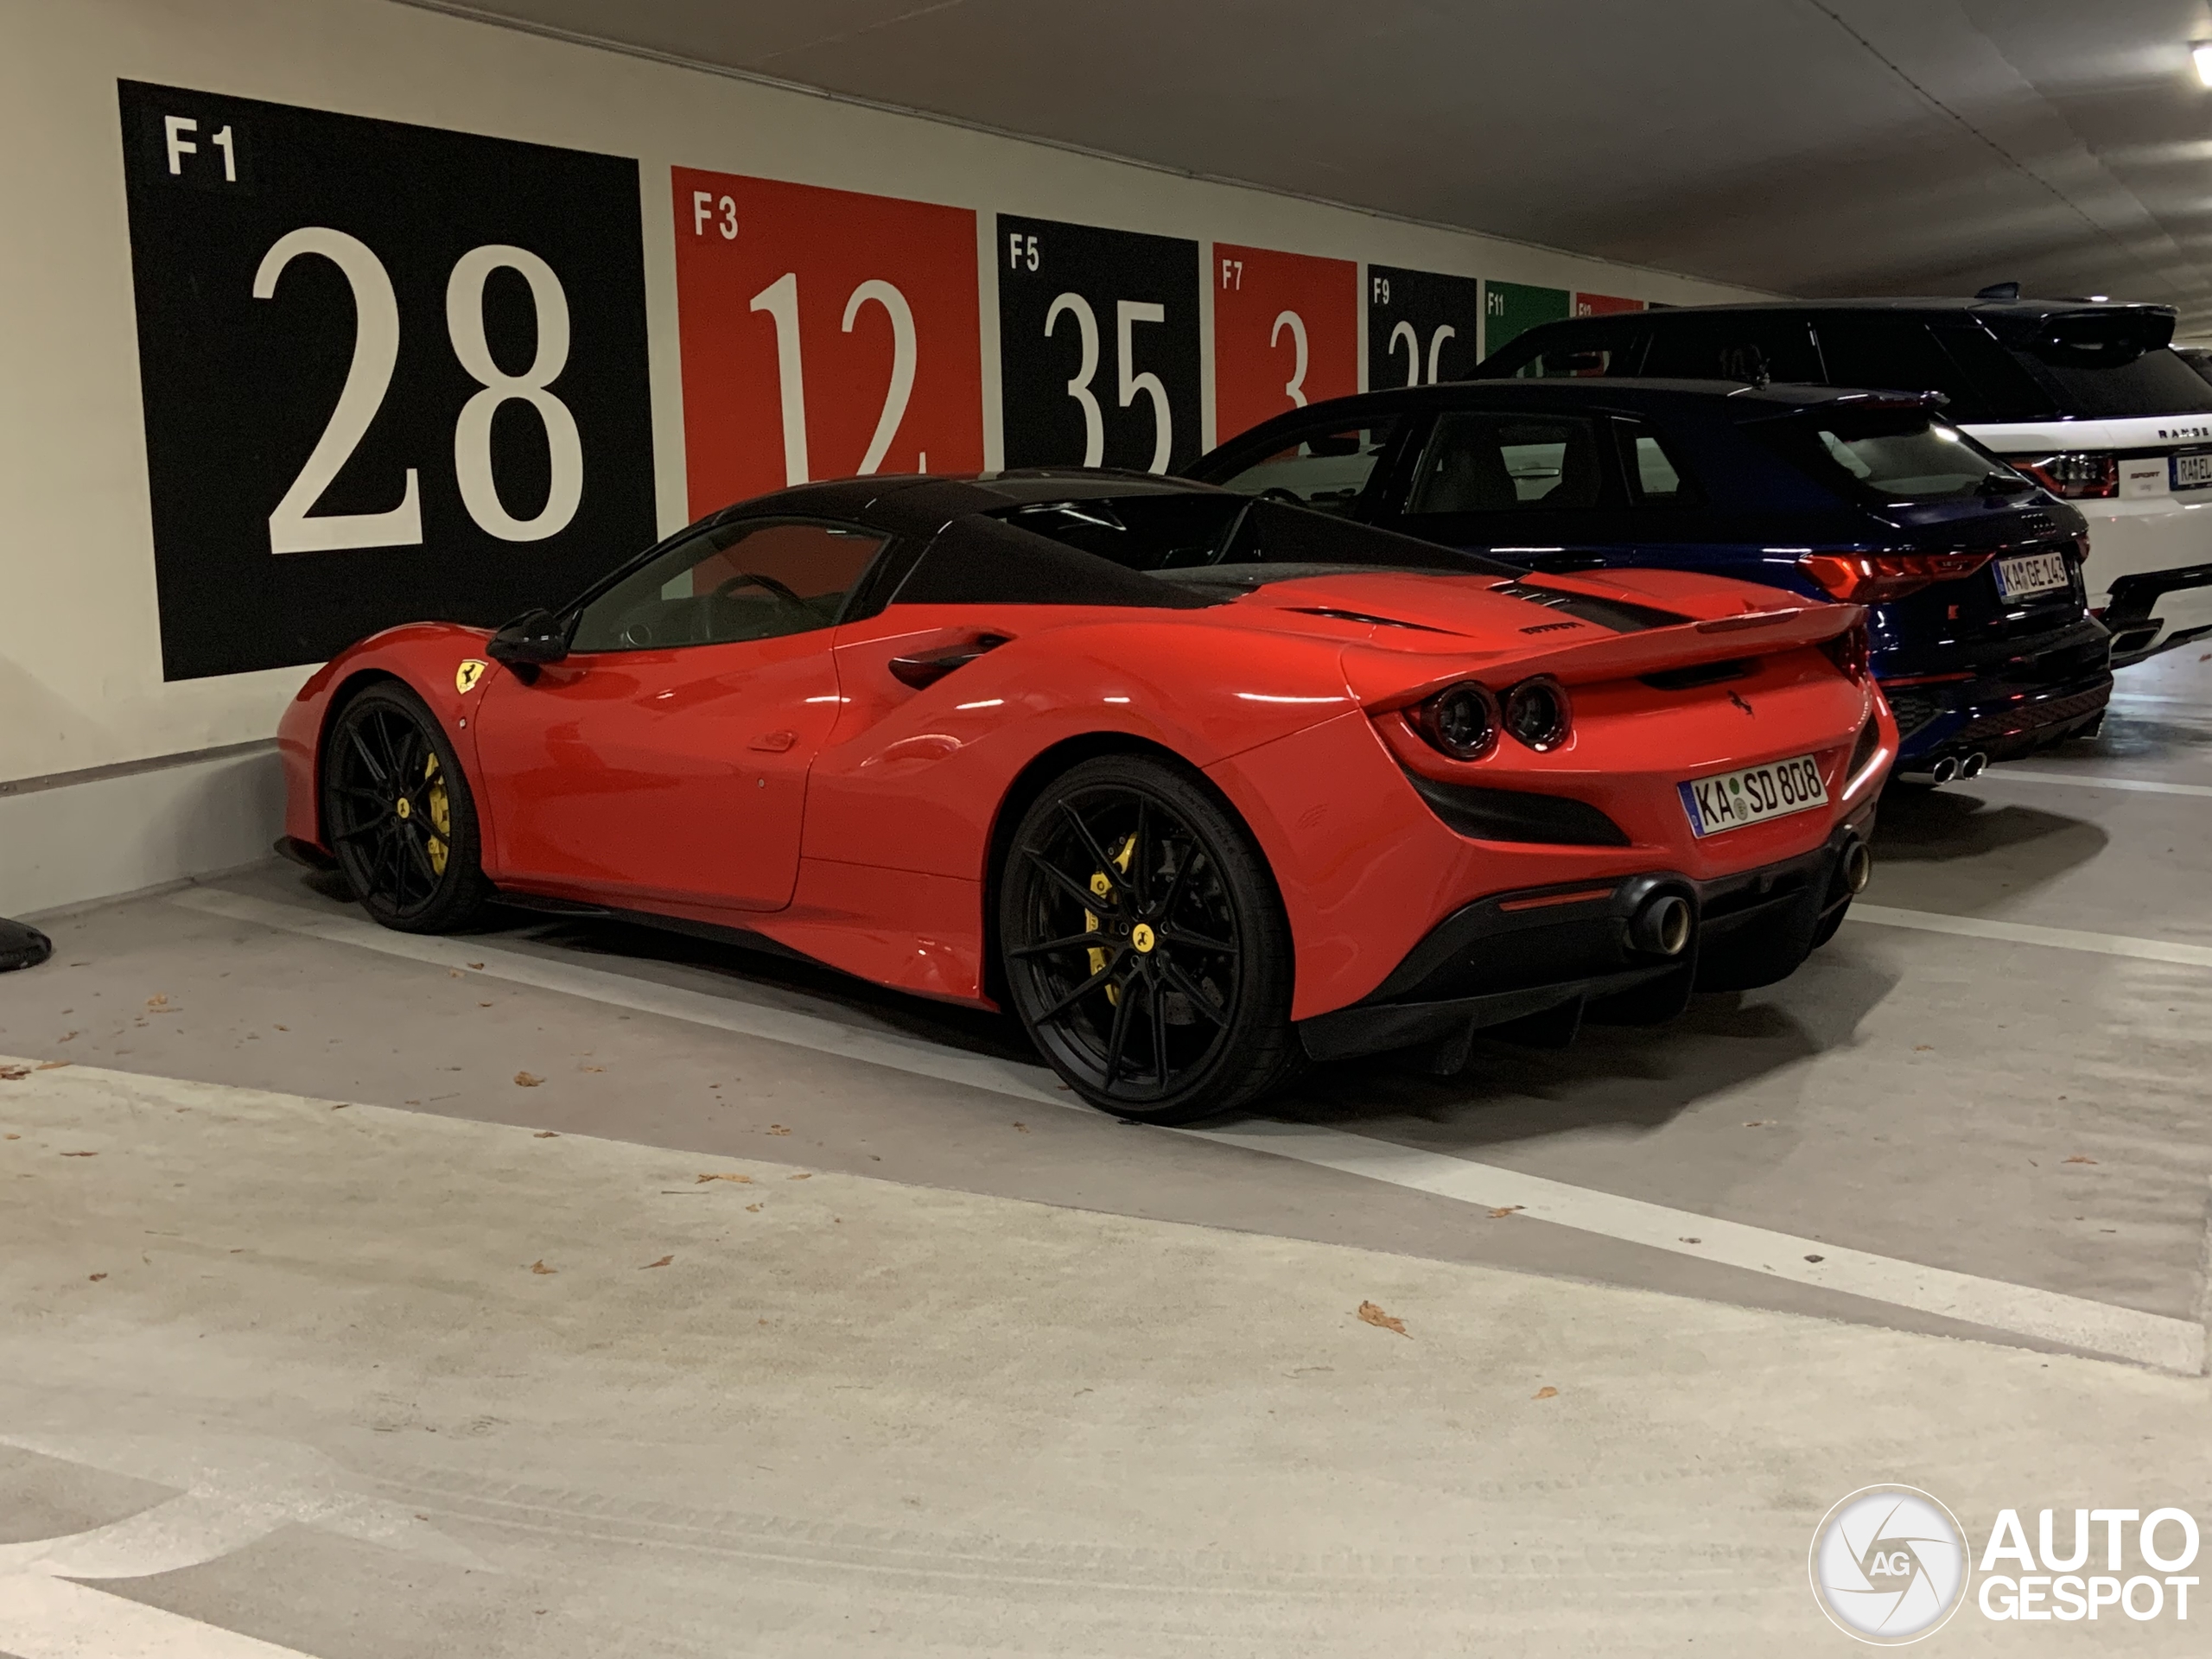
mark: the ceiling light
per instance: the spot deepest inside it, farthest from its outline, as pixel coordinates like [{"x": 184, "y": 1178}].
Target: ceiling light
[{"x": 2203, "y": 53}]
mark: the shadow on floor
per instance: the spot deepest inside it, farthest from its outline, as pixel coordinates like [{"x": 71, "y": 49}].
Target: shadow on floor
[
  {"x": 1935, "y": 826},
  {"x": 1623, "y": 1077}
]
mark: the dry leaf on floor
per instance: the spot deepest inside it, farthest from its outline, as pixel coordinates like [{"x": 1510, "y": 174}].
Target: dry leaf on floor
[
  {"x": 743, "y": 1180},
  {"x": 525, "y": 1080},
  {"x": 483, "y": 1005},
  {"x": 1816, "y": 1258},
  {"x": 283, "y": 1027},
  {"x": 753, "y": 1206},
  {"x": 591, "y": 1068},
  {"x": 159, "y": 1000},
  {"x": 546, "y": 1134},
  {"x": 777, "y": 1128},
  {"x": 97, "y": 1277},
  {"x": 1503, "y": 1211},
  {"x": 1922, "y": 1048},
  {"x": 1758, "y": 1123},
  {"x": 1546, "y": 1392},
  {"x": 14, "y": 1073},
  {"x": 804, "y": 1175},
  {"x": 2078, "y": 1158},
  {"x": 1024, "y": 1127},
  {"x": 80, "y": 1155},
  {"x": 51, "y": 1066},
  {"x": 539, "y": 1266},
  {"x": 1374, "y": 1316},
  {"x": 476, "y": 964},
  {"x": 452, "y": 973},
  {"x": 1686, "y": 1239},
  {"x": 10, "y": 1137},
  {"x": 663, "y": 1263}
]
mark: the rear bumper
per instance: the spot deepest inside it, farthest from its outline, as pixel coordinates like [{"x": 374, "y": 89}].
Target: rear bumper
[
  {"x": 2013, "y": 705},
  {"x": 1517, "y": 954},
  {"x": 2131, "y": 612}
]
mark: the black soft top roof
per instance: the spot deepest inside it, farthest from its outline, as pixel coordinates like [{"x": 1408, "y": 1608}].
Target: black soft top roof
[{"x": 922, "y": 504}]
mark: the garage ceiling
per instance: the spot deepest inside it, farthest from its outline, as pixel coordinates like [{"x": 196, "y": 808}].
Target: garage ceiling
[{"x": 1812, "y": 147}]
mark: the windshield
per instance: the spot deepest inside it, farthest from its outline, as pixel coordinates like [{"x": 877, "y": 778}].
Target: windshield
[
  {"x": 1893, "y": 455},
  {"x": 1265, "y": 541}
]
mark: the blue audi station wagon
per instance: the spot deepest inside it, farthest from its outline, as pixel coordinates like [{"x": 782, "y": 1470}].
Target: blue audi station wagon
[{"x": 1979, "y": 629}]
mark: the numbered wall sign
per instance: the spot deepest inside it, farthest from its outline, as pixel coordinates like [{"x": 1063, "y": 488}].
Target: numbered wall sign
[
  {"x": 1285, "y": 333},
  {"x": 1603, "y": 305},
  {"x": 1422, "y": 326},
  {"x": 1510, "y": 310},
  {"x": 825, "y": 334},
  {"x": 389, "y": 373},
  {"x": 1098, "y": 346}
]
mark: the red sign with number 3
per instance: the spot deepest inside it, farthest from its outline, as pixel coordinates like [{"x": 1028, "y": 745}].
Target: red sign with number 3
[
  {"x": 823, "y": 335},
  {"x": 1285, "y": 333}
]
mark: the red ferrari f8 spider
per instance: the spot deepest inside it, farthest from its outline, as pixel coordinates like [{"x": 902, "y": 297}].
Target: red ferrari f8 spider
[{"x": 1199, "y": 786}]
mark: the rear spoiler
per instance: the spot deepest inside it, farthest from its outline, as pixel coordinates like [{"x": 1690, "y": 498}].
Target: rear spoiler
[{"x": 1380, "y": 678}]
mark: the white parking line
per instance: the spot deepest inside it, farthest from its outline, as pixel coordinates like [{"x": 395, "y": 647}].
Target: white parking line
[
  {"x": 2096, "y": 1327},
  {"x": 2061, "y": 938},
  {"x": 2125, "y": 1333},
  {"x": 53, "y": 1618},
  {"x": 2140, "y": 785}
]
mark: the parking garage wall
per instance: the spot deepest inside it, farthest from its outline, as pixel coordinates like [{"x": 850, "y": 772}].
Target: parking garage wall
[{"x": 325, "y": 314}]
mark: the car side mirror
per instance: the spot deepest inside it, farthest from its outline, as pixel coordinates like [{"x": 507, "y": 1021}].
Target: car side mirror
[{"x": 534, "y": 637}]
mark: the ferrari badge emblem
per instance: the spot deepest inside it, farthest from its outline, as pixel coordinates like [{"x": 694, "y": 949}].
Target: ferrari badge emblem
[{"x": 465, "y": 676}]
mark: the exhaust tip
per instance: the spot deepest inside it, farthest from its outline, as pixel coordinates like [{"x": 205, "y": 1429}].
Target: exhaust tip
[
  {"x": 1662, "y": 927},
  {"x": 1944, "y": 770},
  {"x": 1857, "y": 868},
  {"x": 1974, "y": 766}
]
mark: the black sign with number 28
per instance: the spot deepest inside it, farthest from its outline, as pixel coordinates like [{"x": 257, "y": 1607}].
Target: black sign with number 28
[{"x": 389, "y": 371}]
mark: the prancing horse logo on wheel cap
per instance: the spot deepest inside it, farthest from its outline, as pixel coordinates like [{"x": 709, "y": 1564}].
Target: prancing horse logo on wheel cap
[{"x": 465, "y": 676}]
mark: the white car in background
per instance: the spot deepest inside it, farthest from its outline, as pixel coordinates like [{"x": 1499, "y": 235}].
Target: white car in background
[{"x": 2085, "y": 397}]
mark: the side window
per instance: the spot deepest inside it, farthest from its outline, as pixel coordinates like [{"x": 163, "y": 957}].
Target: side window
[
  {"x": 731, "y": 582},
  {"x": 1742, "y": 346},
  {"x": 1585, "y": 353},
  {"x": 1324, "y": 470},
  {"x": 1507, "y": 463},
  {"x": 1655, "y": 477},
  {"x": 1893, "y": 354}
]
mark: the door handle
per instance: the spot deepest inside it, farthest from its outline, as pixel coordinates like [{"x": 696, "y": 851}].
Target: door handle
[
  {"x": 774, "y": 742},
  {"x": 928, "y": 668}
]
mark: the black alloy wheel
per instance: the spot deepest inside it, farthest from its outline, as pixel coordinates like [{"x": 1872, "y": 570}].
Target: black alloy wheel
[
  {"x": 1145, "y": 945},
  {"x": 397, "y": 813}
]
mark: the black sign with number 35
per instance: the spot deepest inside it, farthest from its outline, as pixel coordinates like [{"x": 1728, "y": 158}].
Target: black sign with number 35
[{"x": 390, "y": 373}]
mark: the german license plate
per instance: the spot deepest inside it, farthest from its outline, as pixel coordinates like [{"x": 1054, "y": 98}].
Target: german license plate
[
  {"x": 2032, "y": 573},
  {"x": 2192, "y": 471},
  {"x": 1753, "y": 795}
]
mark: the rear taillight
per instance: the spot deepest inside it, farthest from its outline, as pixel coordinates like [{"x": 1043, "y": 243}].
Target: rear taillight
[
  {"x": 1460, "y": 721},
  {"x": 1873, "y": 578},
  {"x": 2074, "y": 475},
  {"x": 1847, "y": 651}
]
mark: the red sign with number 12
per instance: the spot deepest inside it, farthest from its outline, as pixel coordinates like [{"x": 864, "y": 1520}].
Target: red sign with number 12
[
  {"x": 823, "y": 333},
  {"x": 1285, "y": 333}
]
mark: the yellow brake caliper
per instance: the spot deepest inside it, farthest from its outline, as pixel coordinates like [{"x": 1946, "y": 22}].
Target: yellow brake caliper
[
  {"x": 1102, "y": 885},
  {"x": 440, "y": 814}
]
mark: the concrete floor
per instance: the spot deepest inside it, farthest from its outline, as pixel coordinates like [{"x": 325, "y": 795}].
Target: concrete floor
[{"x": 1031, "y": 1381}]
